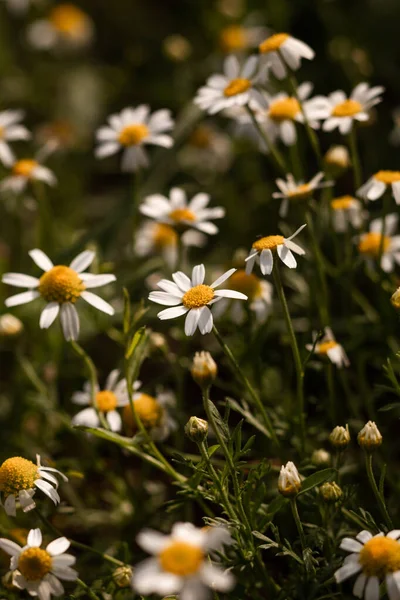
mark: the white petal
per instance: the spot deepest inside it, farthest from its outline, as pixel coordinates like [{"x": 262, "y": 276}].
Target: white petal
[
  {"x": 350, "y": 545},
  {"x": 56, "y": 587},
  {"x": 98, "y": 302},
  {"x": 206, "y": 321},
  {"x": 65, "y": 573},
  {"x": 93, "y": 281},
  {"x": 172, "y": 313},
  {"x": 112, "y": 379},
  {"x": 266, "y": 262},
  {"x": 64, "y": 560},
  {"x": 358, "y": 589},
  {"x": 58, "y": 546},
  {"x": 182, "y": 281},
  {"x": 394, "y": 534},
  {"x": 198, "y": 274},
  {"x": 20, "y": 280},
  {"x": 10, "y": 547},
  {"x": 107, "y": 149},
  {"x": 165, "y": 298},
  {"x": 286, "y": 257},
  {"x": 41, "y": 259},
  {"x": 364, "y": 536},
  {"x": 223, "y": 278},
  {"x": 347, "y": 571},
  {"x": 216, "y": 578},
  {"x": 82, "y": 261},
  {"x": 49, "y": 314},
  {"x": 23, "y": 298},
  {"x": 34, "y": 538},
  {"x": 87, "y": 417},
  {"x": 372, "y": 589},
  {"x": 114, "y": 420},
  {"x": 231, "y": 294},
  {"x": 48, "y": 489},
  {"x": 192, "y": 320},
  {"x": 151, "y": 541},
  {"x": 69, "y": 321},
  {"x": 10, "y": 506}
]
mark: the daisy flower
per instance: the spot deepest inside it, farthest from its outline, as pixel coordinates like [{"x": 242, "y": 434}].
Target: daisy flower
[
  {"x": 329, "y": 347},
  {"x": 341, "y": 111},
  {"x": 239, "y": 38},
  {"x": 263, "y": 251},
  {"x": 234, "y": 88},
  {"x": 290, "y": 190},
  {"x": 24, "y": 171},
  {"x": 289, "y": 482},
  {"x": 180, "y": 213},
  {"x": 180, "y": 563},
  {"x": 10, "y": 131},
  {"x": 207, "y": 149},
  {"x": 60, "y": 287},
  {"x": 377, "y": 185},
  {"x": 258, "y": 291},
  {"x": 65, "y": 26},
  {"x": 370, "y": 243},
  {"x": 346, "y": 211},
  {"x": 39, "y": 571},
  {"x": 132, "y": 129},
  {"x": 113, "y": 396},
  {"x": 281, "y": 50},
  {"x": 154, "y": 413},
  {"x": 18, "y": 479},
  {"x": 193, "y": 298},
  {"x": 373, "y": 558}
]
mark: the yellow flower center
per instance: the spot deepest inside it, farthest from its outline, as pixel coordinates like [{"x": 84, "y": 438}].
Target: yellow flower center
[
  {"x": 133, "y": 135},
  {"x": 380, "y": 556},
  {"x": 182, "y": 214},
  {"x": 237, "y": 86},
  {"x": 68, "y": 19},
  {"x": 250, "y": 285},
  {"x": 106, "y": 401},
  {"x": 268, "y": 243},
  {"x": 201, "y": 137},
  {"x": 147, "y": 408},
  {"x": 273, "y": 43},
  {"x": 1, "y": 132},
  {"x": 302, "y": 191},
  {"x": 17, "y": 474},
  {"x": 34, "y": 563},
  {"x": 371, "y": 242},
  {"x": 342, "y": 203},
  {"x": 24, "y": 167},
  {"x": 198, "y": 296},
  {"x": 324, "y": 347},
  {"x": 348, "y": 108},
  {"x": 164, "y": 236},
  {"x": 387, "y": 177},
  {"x": 61, "y": 284},
  {"x": 181, "y": 559},
  {"x": 282, "y": 110},
  {"x": 233, "y": 38}
]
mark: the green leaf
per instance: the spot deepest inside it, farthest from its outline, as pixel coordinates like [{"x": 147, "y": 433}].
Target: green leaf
[
  {"x": 219, "y": 422},
  {"x": 316, "y": 479},
  {"x": 127, "y": 311},
  {"x": 388, "y": 407},
  {"x": 135, "y": 342},
  {"x": 212, "y": 450},
  {"x": 275, "y": 505}
]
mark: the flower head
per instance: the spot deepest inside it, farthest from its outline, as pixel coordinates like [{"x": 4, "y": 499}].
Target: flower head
[
  {"x": 154, "y": 413},
  {"x": 340, "y": 437},
  {"x": 238, "y": 38},
  {"x": 193, "y": 298},
  {"x": 337, "y": 158},
  {"x": 130, "y": 131},
  {"x": 26, "y": 170},
  {"x": 330, "y": 492},
  {"x": 289, "y": 482},
  {"x": 10, "y": 325},
  {"x": 263, "y": 251},
  {"x": 377, "y": 185},
  {"x": 281, "y": 50},
  {"x": 204, "y": 369},
  {"x": 180, "y": 563},
  {"x": 346, "y": 211},
  {"x": 369, "y": 438},
  {"x": 11, "y": 130},
  {"x": 66, "y": 26},
  {"x": 292, "y": 191},
  {"x": 39, "y": 570},
  {"x": 19, "y": 479},
  {"x": 330, "y": 348},
  {"x": 60, "y": 286},
  {"x": 373, "y": 244},
  {"x": 196, "y": 429}
]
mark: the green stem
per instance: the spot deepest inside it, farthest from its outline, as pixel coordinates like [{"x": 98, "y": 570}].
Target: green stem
[
  {"x": 379, "y": 498},
  {"x": 255, "y": 397},
  {"x": 296, "y": 354},
  {"x": 217, "y": 480},
  {"x": 322, "y": 302},
  {"x": 135, "y": 202},
  {"x": 355, "y": 158},
  {"x": 331, "y": 392},
  {"x": 298, "y": 522},
  {"x": 87, "y": 589},
  {"x": 276, "y": 156}
]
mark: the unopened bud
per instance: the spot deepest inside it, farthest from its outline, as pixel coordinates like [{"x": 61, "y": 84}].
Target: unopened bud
[
  {"x": 331, "y": 492},
  {"x": 395, "y": 299},
  {"x": 320, "y": 457},
  {"x": 337, "y": 159},
  {"x": 196, "y": 429},
  {"x": 204, "y": 369},
  {"x": 177, "y": 47},
  {"x": 122, "y": 576},
  {"x": 10, "y": 325},
  {"x": 340, "y": 437},
  {"x": 369, "y": 437},
  {"x": 289, "y": 482}
]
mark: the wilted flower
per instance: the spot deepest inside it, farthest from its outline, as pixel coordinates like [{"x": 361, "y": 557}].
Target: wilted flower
[
  {"x": 377, "y": 185},
  {"x": 289, "y": 482},
  {"x": 340, "y": 437},
  {"x": 369, "y": 438},
  {"x": 263, "y": 249},
  {"x": 292, "y": 191},
  {"x": 282, "y": 50},
  {"x": 204, "y": 369},
  {"x": 372, "y": 243},
  {"x": 10, "y": 325},
  {"x": 196, "y": 429},
  {"x": 346, "y": 211},
  {"x": 329, "y": 347}
]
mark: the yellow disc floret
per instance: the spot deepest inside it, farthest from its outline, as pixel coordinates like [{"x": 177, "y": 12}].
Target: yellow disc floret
[
  {"x": 201, "y": 137},
  {"x": 34, "y": 563},
  {"x": 271, "y": 242},
  {"x": 370, "y": 244},
  {"x": 250, "y": 285},
  {"x": 180, "y": 215},
  {"x": 387, "y": 177},
  {"x": 284, "y": 109},
  {"x": 324, "y": 347},
  {"x": 181, "y": 559},
  {"x": 164, "y": 236},
  {"x": 106, "y": 401},
  {"x": 24, "y": 167},
  {"x": 348, "y": 108},
  {"x": 273, "y": 43},
  {"x": 68, "y": 19},
  {"x": 17, "y": 474},
  {"x": 132, "y": 135},
  {"x": 380, "y": 556},
  {"x": 147, "y": 408},
  {"x": 301, "y": 192},
  {"x": 61, "y": 284},
  {"x": 342, "y": 203},
  {"x": 237, "y": 86},
  {"x": 198, "y": 296},
  {"x": 233, "y": 38}
]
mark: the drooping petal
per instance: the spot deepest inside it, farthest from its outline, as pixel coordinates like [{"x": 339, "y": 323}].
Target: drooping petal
[{"x": 69, "y": 321}]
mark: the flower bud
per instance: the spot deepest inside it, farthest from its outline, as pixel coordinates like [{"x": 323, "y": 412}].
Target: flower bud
[
  {"x": 10, "y": 325},
  {"x": 340, "y": 437},
  {"x": 331, "y": 492},
  {"x": 320, "y": 457},
  {"x": 122, "y": 576},
  {"x": 196, "y": 429},
  {"x": 369, "y": 437},
  {"x": 337, "y": 159},
  {"x": 289, "y": 482},
  {"x": 204, "y": 369},
  {"x": 395, "y": 299},
  {"x": 177, "y": 48}
]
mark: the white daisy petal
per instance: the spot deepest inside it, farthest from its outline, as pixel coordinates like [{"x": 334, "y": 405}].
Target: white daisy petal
[
  {"x": 20, "y": 280},
  {"x": 198, "y": 274},
  {"x": 172, "y": 313},
  {"x": 41, "y": 259},
  {"x": 23, "y": 298},
  {"x": 10, "y": 547},
  {"x": 34, "y": 538},
  {"x": 82, "y": 261},
  {"x": 372, "y": 589},
  {"x": 98, "y": 302},
  {"x": 223, "y": 278},
  {"x": 350, "y": 545},
  {"x": 58, "y": 546},
  {"x": 49, "y": 314},
  {"x": 69, "y": 321}
]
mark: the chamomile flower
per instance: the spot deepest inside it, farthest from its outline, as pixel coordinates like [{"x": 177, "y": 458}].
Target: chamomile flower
[
  {"x": 180, "y": 563},
  {"x": 130, "y": 131},
  {"x": 289, "y": 482},
  {"x": 373, "y": 558},
  {"x": 181, "y": 214},
  {"x": 19, "y": 479},
  {"x": 239, "y": 38},
  {"x": 60, "y": 286},
  {"x": 24, "y": 171},
  {"x": 330, "y": 348},
  {"x": 263, "y": 251},
  {"x": 66, "y": 26},
  {"x": 234, "y": 88},
  {"x": 38, "y": 570},
  {"x": 258, "y": 291},
  {"x": 281, "y": 50},
  {"x": 371, "y": 243},
  {"x": 346, "y": 211},
  {"x": 155, "y": 413},
  {"x": 208, "y": 149},
  {"x": 292, "y": 191},
  {"x": 113, "y": 396},
  {"x": 377, "y": 185},
  {"x": 341, "y": 111},
  {"x": 11, "y": 130},
  {"x": 191, "y": 297}
]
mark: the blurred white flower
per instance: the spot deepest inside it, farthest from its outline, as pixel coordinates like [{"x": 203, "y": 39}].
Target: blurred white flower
[
  {"x": 292, "y": 191},
  {"x": 262, "y": 251},
  {"x": 328, "y": 346},
  {"x": 377, "y": 185},
  {"x": 66, "y": 26},
  {"x": 346, "y": 211},
  {"x": 26, "y": 170},
  {"x": 155, "y": 413},
  {"x": 11, "y": 130},
  {"x": 281, "y": 50},
  {"x": 258, "y": 291},
  {"x": 207, "y": 149},
  {"x": 241, "y": 37},
  {"x": 371, "y": 243}
]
